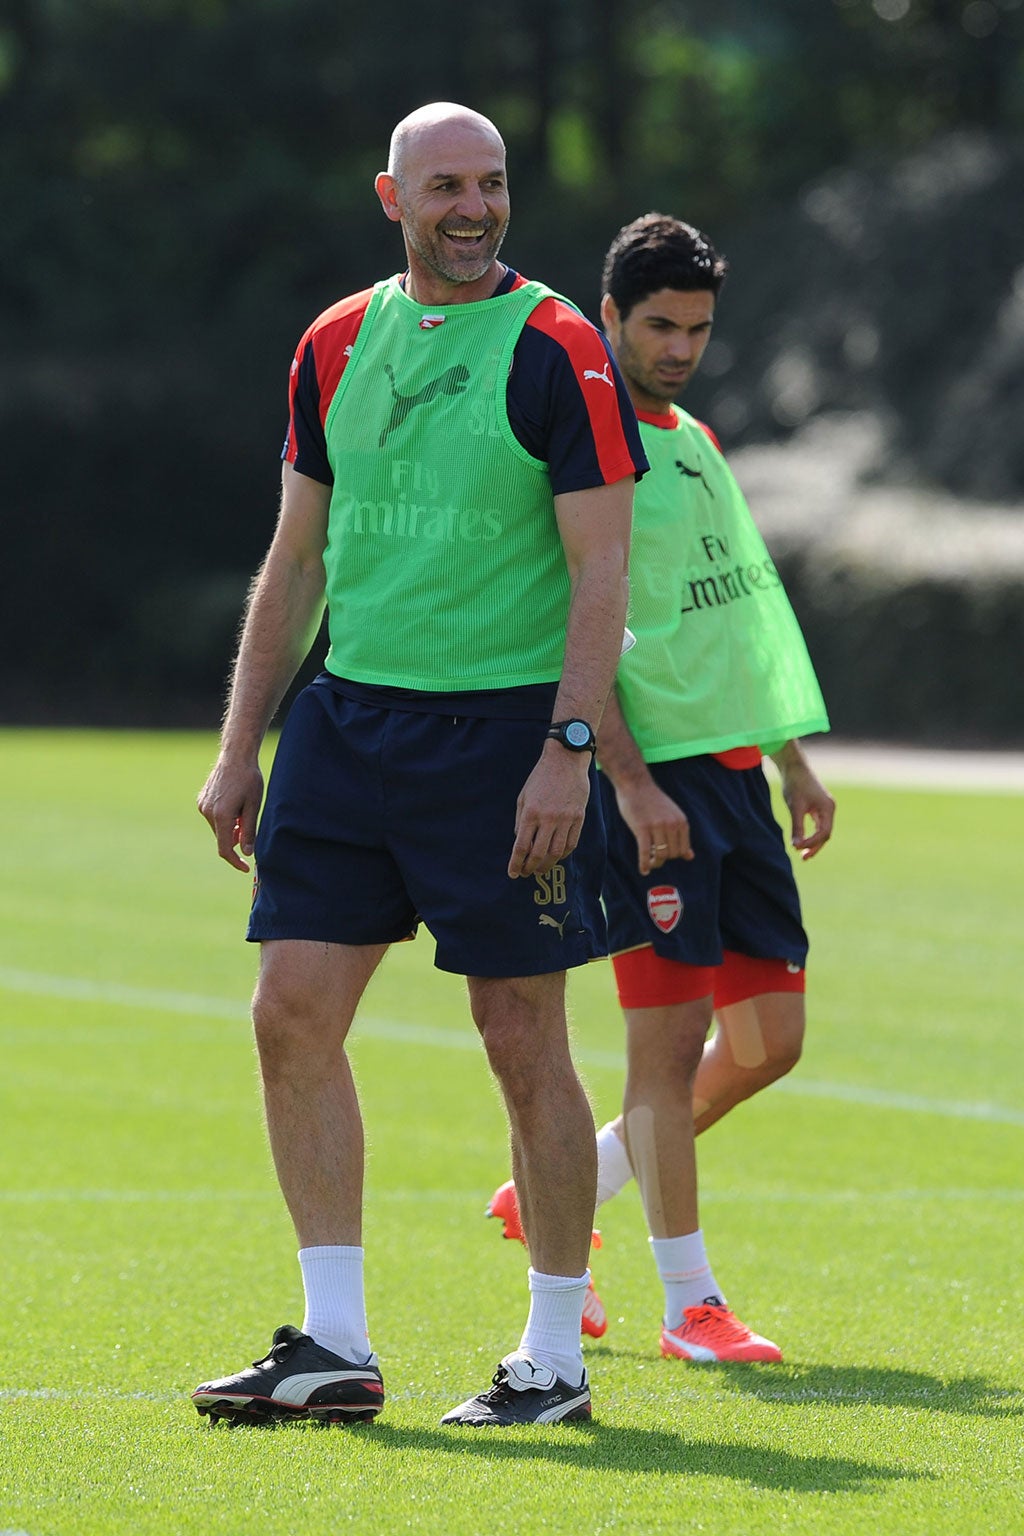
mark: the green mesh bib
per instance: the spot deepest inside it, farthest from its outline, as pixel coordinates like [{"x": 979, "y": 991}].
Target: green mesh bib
[
  {"x": 445, "y": 569},
  {"x": 720, "y": 660}
]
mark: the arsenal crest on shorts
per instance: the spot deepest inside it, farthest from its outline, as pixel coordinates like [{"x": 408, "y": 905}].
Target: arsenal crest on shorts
[{"x": 665, "y": 905}]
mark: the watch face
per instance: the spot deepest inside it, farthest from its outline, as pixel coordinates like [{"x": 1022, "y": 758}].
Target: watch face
[{"x": 577, "y": 733}]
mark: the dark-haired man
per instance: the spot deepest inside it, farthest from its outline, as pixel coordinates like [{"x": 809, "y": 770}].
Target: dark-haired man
[
  {"x": 457, "y": 483},
  {"x": 703, "y": 911}
]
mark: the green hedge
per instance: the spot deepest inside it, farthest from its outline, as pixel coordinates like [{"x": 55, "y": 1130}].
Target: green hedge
[{"x": 930, "y": 661}]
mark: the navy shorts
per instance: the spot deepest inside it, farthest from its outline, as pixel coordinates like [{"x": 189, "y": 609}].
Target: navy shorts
[
  {"x": 737, "y": 892},
  {"x": 378, "y": 818}
]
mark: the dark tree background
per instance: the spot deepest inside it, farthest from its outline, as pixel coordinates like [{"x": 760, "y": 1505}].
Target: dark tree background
[{"x": 186, "y": 183}]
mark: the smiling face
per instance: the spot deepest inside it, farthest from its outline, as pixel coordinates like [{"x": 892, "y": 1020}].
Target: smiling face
[
  {"x": 447, "y": 187},
  {"x": 660, "y": 343}
]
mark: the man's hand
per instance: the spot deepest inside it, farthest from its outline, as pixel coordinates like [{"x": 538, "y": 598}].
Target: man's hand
[
  {"x": 550, "y": 811},
  {"x": 285, "y": 604},
  {"x": 230, "y": 800},
  {"x": 659, "y": 825},
  {"x": 807, "y": 799}
]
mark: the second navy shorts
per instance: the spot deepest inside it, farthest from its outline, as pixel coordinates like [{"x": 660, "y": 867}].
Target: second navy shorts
[{"x": 738, "y": 892}]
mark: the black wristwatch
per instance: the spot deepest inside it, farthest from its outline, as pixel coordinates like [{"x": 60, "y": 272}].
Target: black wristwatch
[{"x": 576, "y": 735}]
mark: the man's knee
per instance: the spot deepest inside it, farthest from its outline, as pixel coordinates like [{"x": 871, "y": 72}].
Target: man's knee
[
  {"x": 783, "y": 1057},
  {"x": 763, "y": 1035},
  {"x": 784, "y": 1039},
  {"x": 307, "y": 994},
  {"x": 675, "y": 1065},
  {"x": 522, "y": 1023},
  {"x": 508, "y": 1053},
  {"x": 282, "y": 1022},
  {"x": 667, "y": 1042},
  {"x": 291, "y": 1017}
]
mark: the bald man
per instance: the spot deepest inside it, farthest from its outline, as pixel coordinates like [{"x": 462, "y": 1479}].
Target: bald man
[{"x": 457, "y": 487}]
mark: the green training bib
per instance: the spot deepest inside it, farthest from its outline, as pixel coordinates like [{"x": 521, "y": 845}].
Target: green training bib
[
  {"x": 445, "y": 569},
  {"x": 720, "y": 660}
]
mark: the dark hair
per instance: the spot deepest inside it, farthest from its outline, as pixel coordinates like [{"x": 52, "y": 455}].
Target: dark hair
[{"x": 656, "y": 252}]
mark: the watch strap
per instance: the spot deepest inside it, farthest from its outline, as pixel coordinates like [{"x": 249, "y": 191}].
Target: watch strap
[{"x": 575, "y": 734}]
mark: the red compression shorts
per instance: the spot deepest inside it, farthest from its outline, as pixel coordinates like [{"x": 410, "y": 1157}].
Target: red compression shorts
[{"x": 646, "y": 979}]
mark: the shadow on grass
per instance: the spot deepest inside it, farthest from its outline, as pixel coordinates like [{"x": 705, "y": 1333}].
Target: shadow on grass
[
  {"x": 856, "y": 1385},
  {"x": 601, "y": 1448}
]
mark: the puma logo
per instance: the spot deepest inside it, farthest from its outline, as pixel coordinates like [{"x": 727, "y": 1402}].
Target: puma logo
[
  {"x": 605, "y": 375},
  {"x": 547, "y": 921},
  {"x": 452, "y": 382},
  {"x": 695, "y": 474}
]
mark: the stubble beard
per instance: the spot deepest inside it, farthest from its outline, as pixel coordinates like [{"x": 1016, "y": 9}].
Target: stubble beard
[
  {"x": 434, "y": 256},
  {"x": 647, "y": 382}
]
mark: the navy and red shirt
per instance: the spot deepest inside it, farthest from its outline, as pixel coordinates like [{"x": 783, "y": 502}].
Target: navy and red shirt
[{"x": 567, "y": 404}]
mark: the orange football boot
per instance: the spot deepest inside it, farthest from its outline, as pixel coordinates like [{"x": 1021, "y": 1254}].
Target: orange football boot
[{"x": 710, "y": 1333}]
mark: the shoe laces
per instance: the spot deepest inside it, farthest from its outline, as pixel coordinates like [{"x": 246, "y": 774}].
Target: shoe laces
[
  {"x": 278, "y": 1352},
  {"x": 713, "y": 1322},
  {"x": 499, "y": 1391}
]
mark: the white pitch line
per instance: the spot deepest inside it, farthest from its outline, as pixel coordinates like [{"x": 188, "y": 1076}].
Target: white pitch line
[
  {"x": 130, "y": 1196},
  {"x": 92, "y": 1394},
  {"x": 268, "y": 1196},
  {"x": 466, "y": 1199},
  {"x": 886, "y": 1098},
  {"x": 75, "y": 989},
  {"x": 78, "y": 990},
  {"x": 114, "y": 1395}
]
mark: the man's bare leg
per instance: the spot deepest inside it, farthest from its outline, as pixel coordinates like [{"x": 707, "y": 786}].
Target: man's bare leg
[
  {"x": 755, "y": 1042},
  {"x": 664, "y": 1047},
  {"x": 305, "y": 1000},
  {"x": 554, "y": 1161}
]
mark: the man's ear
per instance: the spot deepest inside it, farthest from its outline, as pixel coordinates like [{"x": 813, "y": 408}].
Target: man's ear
[
  {"x": 386, "y": 188},
  {"x": 609, "y": 313}
]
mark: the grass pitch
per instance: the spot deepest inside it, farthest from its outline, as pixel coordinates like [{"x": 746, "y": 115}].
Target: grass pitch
[{"x": 866, "y": 1212}]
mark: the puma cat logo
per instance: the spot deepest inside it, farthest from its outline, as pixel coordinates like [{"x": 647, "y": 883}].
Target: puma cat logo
[
  {"x": 604, "y": 375},
  {"x": 452, "y": 382},
  {"x": 547, "y": 921}
]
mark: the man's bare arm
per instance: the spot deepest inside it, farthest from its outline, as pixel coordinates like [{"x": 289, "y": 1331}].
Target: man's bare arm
[
  {"x": 659, "y": 825},
  {"x": 595, "y": 527},
  {"x": 284, "y": 609},
  {"x": 806, "y": 797}
]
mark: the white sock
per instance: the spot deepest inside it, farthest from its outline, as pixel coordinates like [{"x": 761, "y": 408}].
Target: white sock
[
  {"x": 552, "y": 1332},
  {"x": 685, "y": 1273},
  {"x": 614, "y": 1169},
  {"x": 332, "y": 1278}
]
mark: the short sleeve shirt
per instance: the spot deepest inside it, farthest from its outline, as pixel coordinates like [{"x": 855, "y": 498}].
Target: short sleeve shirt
[{"x": 567, "y": 404}]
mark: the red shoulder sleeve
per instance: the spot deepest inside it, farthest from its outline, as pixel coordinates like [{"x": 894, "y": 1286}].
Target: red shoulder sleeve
[
  {"x": 708, "y": 433},
  {"x": 317, "y": 367},
  {"x": 590, "y": 384}
]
